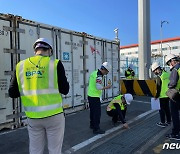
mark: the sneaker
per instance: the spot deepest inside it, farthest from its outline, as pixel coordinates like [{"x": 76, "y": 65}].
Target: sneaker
[
  {"x": 160, "y": 124},
  {"x": 99, "y": 131},
  {"x": 172, "y": 136}
]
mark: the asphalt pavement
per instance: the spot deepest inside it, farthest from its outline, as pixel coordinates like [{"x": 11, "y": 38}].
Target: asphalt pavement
[{"x": 142, "y": 137}]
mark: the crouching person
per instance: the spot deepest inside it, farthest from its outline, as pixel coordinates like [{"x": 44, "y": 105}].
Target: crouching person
[{"x": 117, "y": 108}]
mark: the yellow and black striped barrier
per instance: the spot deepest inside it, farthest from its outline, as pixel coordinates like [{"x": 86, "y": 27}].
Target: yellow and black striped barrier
[{"x": 138, "y": 87}]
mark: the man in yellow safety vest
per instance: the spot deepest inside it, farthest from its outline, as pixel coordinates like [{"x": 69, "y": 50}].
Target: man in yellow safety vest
[
  {"x": 40, "y": 81},
  {"x": 129, "y": 73},
  {"x": 117, "y": 108},
  {"x": 94, "y": 93},
  {"x": 162, "y": 81}
]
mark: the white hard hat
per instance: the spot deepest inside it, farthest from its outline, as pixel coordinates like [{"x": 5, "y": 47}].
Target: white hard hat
[
  {"x": 169, "y": 57},
  {"x": 154, "y": 66},
  {"x": 107, "y": 66},
  {"x": 128, "y": 98},
  {"x": 43, "y": 43}
]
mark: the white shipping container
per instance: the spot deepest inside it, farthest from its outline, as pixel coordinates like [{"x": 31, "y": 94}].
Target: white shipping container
[{"x": 79, "y": 52}]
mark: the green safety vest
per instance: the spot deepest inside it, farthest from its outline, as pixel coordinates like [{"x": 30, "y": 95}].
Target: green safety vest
[
  {"x": 165, "y": 81},
  {"x": 178, "y": 83},
  {"x": 38, "y": 86},
  {"x": 129, "y": 75},
  {"x": 120, "y": 103},
  {"x": 92, "y": 90}
]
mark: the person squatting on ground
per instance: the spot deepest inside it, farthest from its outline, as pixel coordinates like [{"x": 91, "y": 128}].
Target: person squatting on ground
[
  {"x": 162, "y": 81},
  {"x": 117, "y": 108},
  {"x": 95, "y": 88},
  {"x": 174, "y": 63},
  {"x": 40, "y": 81}
]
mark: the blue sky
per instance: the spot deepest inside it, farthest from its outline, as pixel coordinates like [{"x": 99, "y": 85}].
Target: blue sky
[{"x": 99, "y": 17}]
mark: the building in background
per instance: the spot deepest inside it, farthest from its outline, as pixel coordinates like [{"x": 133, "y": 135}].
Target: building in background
[{"x": 129, "y": 53}]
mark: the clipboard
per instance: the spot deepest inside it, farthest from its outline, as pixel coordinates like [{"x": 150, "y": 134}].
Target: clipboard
[{"x": 155, "y": 104}]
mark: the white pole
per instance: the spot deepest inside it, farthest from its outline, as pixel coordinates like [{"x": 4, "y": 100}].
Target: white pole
[{"x": 144, "y": 38}]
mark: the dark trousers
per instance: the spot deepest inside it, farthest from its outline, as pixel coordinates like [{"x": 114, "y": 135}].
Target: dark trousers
[
  {"x": 164, "y": 110},
  {"x": 117, "y": 114},
  {"x": 175, "y": 106},
  {"x": 124, "y": 113},
  {"x": 95, "y": 112},
  {"x": 129, "y": 86}
]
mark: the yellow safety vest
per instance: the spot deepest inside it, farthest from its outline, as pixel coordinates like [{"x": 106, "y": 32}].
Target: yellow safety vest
[
  {"x": 129, "y": 75},
  {"x": 111, "y": 104},
  {"x": 178, "y": 84},
  {"x": 38, "y": 86},
  {"x": 92, "y": 90},
  {"x": 165, "y": 81}
]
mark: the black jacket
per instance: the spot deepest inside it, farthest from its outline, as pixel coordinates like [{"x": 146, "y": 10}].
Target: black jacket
[
  {"x": 174, "y": 77},
  {"x": 131, "y": 71}
]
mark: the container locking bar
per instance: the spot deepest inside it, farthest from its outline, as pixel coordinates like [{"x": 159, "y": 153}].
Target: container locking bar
[
  {"x": 17, "y": 51},
  {"x": 12, "y": 29}
]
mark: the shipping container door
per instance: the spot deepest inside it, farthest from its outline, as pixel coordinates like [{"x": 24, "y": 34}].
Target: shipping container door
[
  {"x": 72, "y": 58},
  {"x": 70, "y": 51},
  {"x": 108, "y": 58},
  {"x": 78, "y": 72},
  {"x": 96, "y": 50},
  {"x": 6, "y": 105},
  {"x": 115, "y": 70},
  {"x": 99, "y": 59},
  {"x": 90, "y": 63},
  {"x": 67, "y": 62}
]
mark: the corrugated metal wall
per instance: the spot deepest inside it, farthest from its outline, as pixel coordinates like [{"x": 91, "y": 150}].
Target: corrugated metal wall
[{"x": 80, "y": 54}]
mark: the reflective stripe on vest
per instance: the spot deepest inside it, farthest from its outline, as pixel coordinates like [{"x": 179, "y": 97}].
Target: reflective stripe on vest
[
  {"x": 43, "y": 108},
  {"x": 165, "y": 81},
  {"x": 45, "y": 100}
]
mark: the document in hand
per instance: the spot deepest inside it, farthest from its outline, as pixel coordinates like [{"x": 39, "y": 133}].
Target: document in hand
[{"x": 155, "y": 105}]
